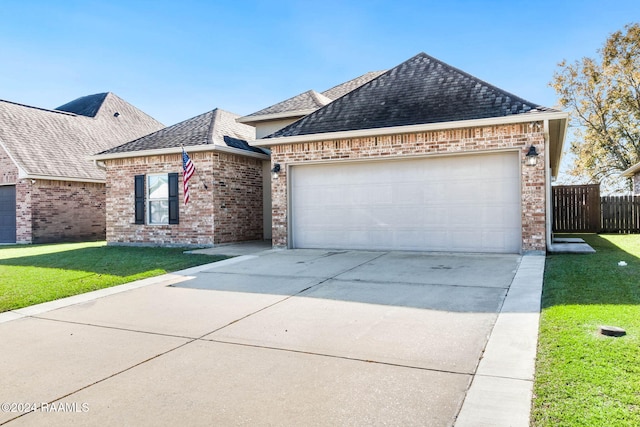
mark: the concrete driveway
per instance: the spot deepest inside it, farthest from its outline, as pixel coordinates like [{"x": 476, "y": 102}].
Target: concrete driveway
[{"x": 297, "y": 337}]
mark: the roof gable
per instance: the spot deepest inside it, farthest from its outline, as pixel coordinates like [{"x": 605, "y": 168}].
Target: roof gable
[
  {"x": 421, "y": 90},
  {"x": 216, "y": 127}
]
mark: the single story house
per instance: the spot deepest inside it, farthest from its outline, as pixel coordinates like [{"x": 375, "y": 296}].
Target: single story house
[
  {"x": 49, "y": 191},
  {"x": 422, "y": 157},
  {"x": 235, "y": 205},
  {"x": 145, "y": 193},
  {"x": 634, "y": 173}
]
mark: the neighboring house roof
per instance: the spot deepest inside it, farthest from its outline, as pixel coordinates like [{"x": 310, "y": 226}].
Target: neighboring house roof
[
  {"x": 86, "y": 105},
  {"x": 217, "y": 127},
  {"x": 54, "y": 144},
  {"x": 631, "y": 171},
  {"x": 421, "y": 90},
  {"x": 307, "y": 102}
]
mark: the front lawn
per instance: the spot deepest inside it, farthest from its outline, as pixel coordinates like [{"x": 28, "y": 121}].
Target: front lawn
[
  {"x": 582, "y": 377},
  {"x": 40, "y": 273}
]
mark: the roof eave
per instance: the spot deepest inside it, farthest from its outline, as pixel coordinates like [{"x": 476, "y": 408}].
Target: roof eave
[
  {"x": 62, "y": 178},
  {"x": 178, "y": 150},
  {"x": 275, "y": 116},
  {"x": 515, "y": 118},
  {"x": 631, "y": 171}
]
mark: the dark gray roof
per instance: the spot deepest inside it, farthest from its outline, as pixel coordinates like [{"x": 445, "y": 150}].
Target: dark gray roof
[
  {"x": 419, "y": 91},
  {"x": 216, "y": 127},
  {"x": 85, "y": 106},
  {"x": 54, "y": 143}
]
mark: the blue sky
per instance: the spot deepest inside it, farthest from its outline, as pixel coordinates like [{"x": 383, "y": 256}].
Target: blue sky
[{"x": 177, "y": 59}]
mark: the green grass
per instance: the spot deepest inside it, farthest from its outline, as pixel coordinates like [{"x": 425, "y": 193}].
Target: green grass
[
  {"x": 582, "y": 377},
  {"x": 34, "y": 274}
]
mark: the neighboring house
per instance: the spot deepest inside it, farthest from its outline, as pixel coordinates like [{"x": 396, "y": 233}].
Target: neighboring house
[
  {"x": 49, "y": 191},
  {"x": 634, "y": 173},
  {"x": 145, "y": 198},
  {"x": 421, "y": 157}
]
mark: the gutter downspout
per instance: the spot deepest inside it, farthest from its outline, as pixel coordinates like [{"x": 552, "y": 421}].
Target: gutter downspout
[
  {"x": 100, "y": 164},
  {"x": 547, "y": 185}
]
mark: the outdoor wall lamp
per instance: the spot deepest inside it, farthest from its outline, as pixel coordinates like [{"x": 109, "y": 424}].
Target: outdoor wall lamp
[
  {"x": 531, "y": 158},
  {"x": 275, "y": 170}
]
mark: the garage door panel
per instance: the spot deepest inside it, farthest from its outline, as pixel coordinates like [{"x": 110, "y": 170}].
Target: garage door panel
[
  {"x": 8, "y": 214},
  {"x": 457, "y": 203}
]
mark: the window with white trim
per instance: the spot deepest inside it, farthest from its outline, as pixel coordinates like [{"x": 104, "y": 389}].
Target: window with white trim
[{"x": 158, "y": 199}]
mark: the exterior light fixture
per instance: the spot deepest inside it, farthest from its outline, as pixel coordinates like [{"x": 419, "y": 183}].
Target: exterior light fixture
[
  {"x": 275, "y": 171},
  {"x": 531, "y": 157}
]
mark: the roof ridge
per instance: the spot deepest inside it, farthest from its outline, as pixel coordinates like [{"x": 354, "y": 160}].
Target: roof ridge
[
  {"x": 212, "y": 124},
  {"x": 318, "y": 97},
  {"x": 65, "y": 113},
  {"x": 421, "y": 90}
]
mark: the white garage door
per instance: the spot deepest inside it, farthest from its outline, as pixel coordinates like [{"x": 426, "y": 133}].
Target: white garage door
[{"x": 454, "y": 203}]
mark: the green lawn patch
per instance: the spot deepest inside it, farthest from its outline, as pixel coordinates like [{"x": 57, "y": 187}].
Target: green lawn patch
[
  {"x": 582, "y": 377},
  {"x": 40, "y": 273}
]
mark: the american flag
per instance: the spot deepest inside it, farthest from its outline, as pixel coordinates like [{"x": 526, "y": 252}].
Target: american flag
[{"x": 187, "y": 170}]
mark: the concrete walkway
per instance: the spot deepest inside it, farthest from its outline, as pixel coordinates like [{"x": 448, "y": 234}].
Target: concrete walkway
[{"x": 299, "y": 337}]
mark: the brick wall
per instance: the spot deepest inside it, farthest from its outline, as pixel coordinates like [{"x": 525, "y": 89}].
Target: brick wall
[
  {"x": 227, "y": 211},
  {"x": 238, "y": 198},
  {"x": 64, "y": 211},
  {"x": 8, "y": 169},
  {"x": 23, "y": 212},
  {"x": 55, "y": 211},
  {"x": 470, "y": 140}
]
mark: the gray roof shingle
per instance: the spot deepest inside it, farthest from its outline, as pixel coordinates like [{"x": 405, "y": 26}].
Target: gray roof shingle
[
  {"x": 346, "y": 87},
  {"x": 216, "y": 127},
  {"x": 310, "y": 100},
  {"x": 421, "y": 90},
  {"x": 54, "y": 143}
]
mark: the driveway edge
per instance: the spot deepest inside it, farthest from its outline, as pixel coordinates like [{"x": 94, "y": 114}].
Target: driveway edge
[
  {"x": 168, "y": 279},
  {"x": 502, "y": 388}
]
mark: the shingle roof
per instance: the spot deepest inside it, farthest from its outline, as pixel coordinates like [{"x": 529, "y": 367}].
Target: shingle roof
[
  {"x": 419, "y": 91},
  {"x": 217, "y": 127},
  {"x": 54, "y": 143},
  {"x": 309, "y": 101},
  {"x": 346, "y": 87},
  {"x": 85, "y": 106}
]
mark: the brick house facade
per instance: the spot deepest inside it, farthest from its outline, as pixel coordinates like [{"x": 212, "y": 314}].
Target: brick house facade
[
  {"x": 230, "y": 210},
  {"x": 518, "y": 137},
  {"x": 59, "y": 195},
  {"x": 433, "y": 116},
  {"x": 53, "y": 210}
]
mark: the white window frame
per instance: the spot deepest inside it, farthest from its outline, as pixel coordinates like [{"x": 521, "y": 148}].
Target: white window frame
[{"x": 149, "y": 199}]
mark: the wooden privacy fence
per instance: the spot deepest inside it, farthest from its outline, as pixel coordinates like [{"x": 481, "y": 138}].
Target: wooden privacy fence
[
  {"x": 620, "y": 214},
  {"x": 576, "y": 208},
  {"x": 580, "y": 209}
]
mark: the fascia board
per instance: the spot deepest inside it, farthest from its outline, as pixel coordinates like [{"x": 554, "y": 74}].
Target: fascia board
[
  {"x": 516, "y": 118},
  {"x": 178, "y": 150}
]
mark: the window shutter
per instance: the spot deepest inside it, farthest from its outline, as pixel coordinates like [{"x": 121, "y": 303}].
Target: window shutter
[
  {"x": 173, "y": 198},
  {"x": 139, "y": 198}
]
